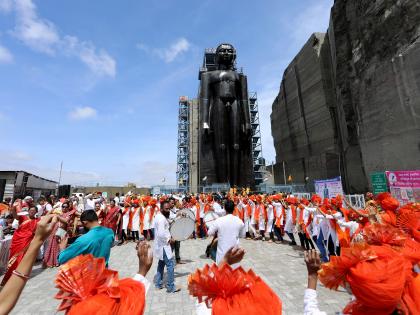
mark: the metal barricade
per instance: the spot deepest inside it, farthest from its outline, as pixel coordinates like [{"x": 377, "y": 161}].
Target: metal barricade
[{"x": 356, "y": 201}]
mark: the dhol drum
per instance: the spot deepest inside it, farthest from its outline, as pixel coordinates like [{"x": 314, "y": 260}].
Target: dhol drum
[
  {"x": 188, "y": 213},
  {"x": 182, "y": 228},
  {"x": 209, "y": 218}
]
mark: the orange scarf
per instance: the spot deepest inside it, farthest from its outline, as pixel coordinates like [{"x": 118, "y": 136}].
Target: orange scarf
[
  {"x": 301, "y": 221},
  {"x": 257, "y": 213},
  {"x": 141, "y": 215},
  {"x": 278, "y": 218},
  {"x": 130, "y": 220},
  {"x": 208, "y": 206},
  {"x": 248, "y": 210},
  {"x": 293, "y": 208},
  {"x": 152, "y": 212},
  {"x": 343, "y": 236},
  {"x": 305, "y": 226},
  {"x": 239, "y": 213}
]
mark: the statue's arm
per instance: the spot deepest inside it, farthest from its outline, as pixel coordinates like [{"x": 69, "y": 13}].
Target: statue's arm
[
  {"x": 205, "y": 99},
  {"x": 245, "y": 104}
]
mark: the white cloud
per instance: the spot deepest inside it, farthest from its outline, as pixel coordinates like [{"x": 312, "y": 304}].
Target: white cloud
[
  {"x": 5, "y": 55},
  {"x": 81, "y": 113},
  {"x": 39, "y": 34},
  {"x": 42, "y": 36},
  {"x": 180, "y": 46},
  {"x": 100, "y": 62},
  {"x": 177, "y": 48},
  {"x": 6, "y": 5},
  {"x": 315, "y": 18},
  {"x": 14, "y": 156}
]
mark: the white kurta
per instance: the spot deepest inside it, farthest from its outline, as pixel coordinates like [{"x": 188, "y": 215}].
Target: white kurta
[
  {"x": 218, "y": 209},
  {"x": 202, "y": 205},
  {"x": 243, "y": 206},
  {"x": 289, "y": 226},
  {"x": 270, "y": 219},
  {"x": 162, "y": 237},
  {"x": 147, "y": 222},
  {"x": 125, "y": 219},
  {"x": 135, "y": 226},
  {"x": 278, "y": 212},
  {"x": 229, "y": 229}
]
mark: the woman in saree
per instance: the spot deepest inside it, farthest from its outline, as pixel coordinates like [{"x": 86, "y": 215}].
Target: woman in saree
[
  {"x": 21, "y": 238},
  {"x": 60, "y": 231}
]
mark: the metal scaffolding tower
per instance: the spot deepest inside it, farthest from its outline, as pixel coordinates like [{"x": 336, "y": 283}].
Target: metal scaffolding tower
[
  {"x": 182, "y": 171},
  {"x": 257, "y": 158}
]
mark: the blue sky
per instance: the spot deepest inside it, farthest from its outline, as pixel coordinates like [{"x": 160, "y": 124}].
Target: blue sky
[{"x": 96, "y": 83}]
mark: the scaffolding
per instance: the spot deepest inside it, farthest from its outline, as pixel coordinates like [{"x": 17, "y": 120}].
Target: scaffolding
[
  {"x": 257, "y": 157},
  {"x": 182, "y": 170}
]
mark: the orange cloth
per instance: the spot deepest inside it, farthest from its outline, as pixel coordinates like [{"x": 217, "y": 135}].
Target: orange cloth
[
  {"x": 279, "y": 217},
  {"x": 293, "y": 208},
  {"x": 377, "y": 276},
  {"x": 239, "y": 213},
  {"x": 87, "y": 287},
  {"x": 233, "y": 291}
]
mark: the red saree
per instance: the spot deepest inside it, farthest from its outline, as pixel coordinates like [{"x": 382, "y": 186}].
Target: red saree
[
  {"x": 110, "y": 220},
  {"x": 20, "y": 243},
  {"x": 53, "y": 248}
]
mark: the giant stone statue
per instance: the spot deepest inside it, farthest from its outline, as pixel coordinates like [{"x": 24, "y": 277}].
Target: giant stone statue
[{"x": 225, "y": 125}]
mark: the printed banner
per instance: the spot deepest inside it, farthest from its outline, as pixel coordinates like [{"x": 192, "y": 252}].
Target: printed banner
[
  {"x": 329, "y": 188},
  {"x": 404, "y": 185}
]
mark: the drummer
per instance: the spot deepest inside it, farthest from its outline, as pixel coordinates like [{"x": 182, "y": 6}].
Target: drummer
[
  {"x": 176, "y": 246},
  {"x": 162, "y": 248}
]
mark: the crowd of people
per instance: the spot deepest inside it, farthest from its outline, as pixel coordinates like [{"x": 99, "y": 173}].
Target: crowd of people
[{"x": 374, "y": 252}]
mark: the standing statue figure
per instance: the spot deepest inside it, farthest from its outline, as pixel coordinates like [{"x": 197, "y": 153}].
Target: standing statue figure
[{"x": 226, "y": 119}]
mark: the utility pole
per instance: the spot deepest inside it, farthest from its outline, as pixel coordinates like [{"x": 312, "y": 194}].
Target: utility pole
[
  {"x": 59, "y": 179},
  {"x": 284, "y": 173}
]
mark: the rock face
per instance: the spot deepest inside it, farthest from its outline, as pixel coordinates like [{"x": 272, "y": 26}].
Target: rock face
[
  {"x": 302, "y": 117},
  {"x": 370, "y": 74}
]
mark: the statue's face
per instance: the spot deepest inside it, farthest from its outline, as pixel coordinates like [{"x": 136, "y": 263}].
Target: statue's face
[{"x": 226, "y": 54}]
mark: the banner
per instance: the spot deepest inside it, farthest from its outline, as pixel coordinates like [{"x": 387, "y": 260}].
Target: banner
[
  {"x": 404, "y": 185},
  {"x": 329, "y": 188},
  {"x": 378, "y": 181}
]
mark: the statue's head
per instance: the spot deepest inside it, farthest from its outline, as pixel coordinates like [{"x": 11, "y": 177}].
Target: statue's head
[{"x": 226, "y": 55}]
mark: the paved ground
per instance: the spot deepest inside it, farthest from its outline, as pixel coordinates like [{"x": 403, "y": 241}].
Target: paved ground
[{"x": 281, "y": 266}]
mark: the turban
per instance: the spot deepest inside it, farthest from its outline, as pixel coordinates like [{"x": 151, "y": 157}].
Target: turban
[
  {"x": 87, "y": 287},
  {"x": 233, "y": 291}
]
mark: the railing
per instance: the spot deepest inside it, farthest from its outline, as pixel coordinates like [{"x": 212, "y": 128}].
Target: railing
[{"x": 356, "y": 201}]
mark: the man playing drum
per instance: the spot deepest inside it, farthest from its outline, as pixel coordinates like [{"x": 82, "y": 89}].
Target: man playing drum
[{"x": 162, "y": 248}]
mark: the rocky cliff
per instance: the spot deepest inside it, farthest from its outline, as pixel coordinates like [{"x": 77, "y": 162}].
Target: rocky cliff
[{"x": 374, "y": 50}]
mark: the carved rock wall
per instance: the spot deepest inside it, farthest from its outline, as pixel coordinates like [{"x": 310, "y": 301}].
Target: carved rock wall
[{"x": 374, "y": 75}]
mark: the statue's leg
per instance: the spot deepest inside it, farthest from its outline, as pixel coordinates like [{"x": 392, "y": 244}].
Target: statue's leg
[
  {"x": 235, "y": 132},
  {"x": 219, "y": 127}
]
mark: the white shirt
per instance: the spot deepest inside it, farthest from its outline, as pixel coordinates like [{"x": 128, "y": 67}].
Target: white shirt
[
  {"x": 44, "y": 208},
  {"x": 229, "y": 229},
  {"x": 140, "y": 278},
  {"x": 311, "y": 303},
  {"x": 218, "y": 209},
  {"x": 162, "y": 237}
]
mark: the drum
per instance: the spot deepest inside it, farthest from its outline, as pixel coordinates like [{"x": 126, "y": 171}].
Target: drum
[
  {"x": 186, "y": 213},
  {"x": 209, "y": 217},
  {"x": 182, "y": 228}
]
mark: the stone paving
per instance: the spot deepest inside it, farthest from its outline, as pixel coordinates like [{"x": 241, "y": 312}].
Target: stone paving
[{"x": 280, "y": 265}]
